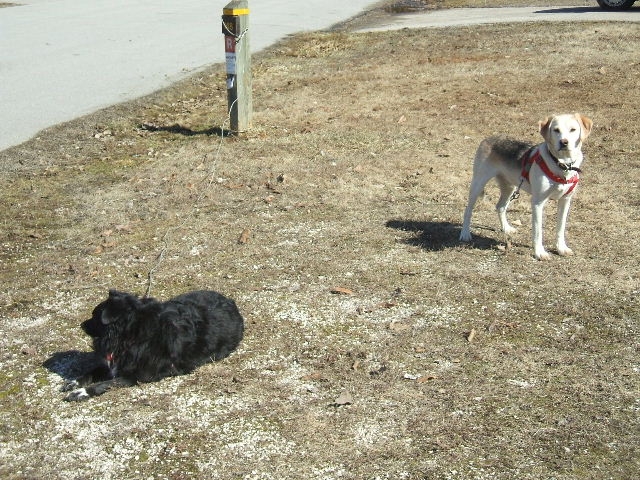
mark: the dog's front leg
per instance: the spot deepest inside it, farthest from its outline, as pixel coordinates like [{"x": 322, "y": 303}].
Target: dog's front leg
[
  {"x": 537, "y": 209},
  {"x": 563, "y": 212},
  {"x": 95, "y": 389}
]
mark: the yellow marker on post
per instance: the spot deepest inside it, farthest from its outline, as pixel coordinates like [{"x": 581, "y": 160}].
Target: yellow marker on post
[{"x": 234, "y": 11}]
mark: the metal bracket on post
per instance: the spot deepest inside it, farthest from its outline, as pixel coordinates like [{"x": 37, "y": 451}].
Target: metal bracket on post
[{"x": 235, "y": 27}]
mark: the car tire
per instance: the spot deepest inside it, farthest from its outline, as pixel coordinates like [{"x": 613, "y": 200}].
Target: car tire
[{"x": 615, "y": 4}]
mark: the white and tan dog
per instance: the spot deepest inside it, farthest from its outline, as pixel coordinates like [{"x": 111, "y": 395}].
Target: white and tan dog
[{"x": 549, "y": 170}]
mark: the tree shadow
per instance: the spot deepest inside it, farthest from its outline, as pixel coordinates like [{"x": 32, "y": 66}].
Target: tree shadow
[
  {"x": 187, "y": 132},
  {"x": 71, "y": 364},
  {"x": 438, "y": 236}
]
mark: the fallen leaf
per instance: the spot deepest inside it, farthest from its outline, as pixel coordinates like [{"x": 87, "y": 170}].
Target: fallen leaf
[
  {"x": 471, "y": 335},
  {"x": 379, "y": 371},
  {"x": 27, "y": 350},
  {"x": 408, "y": 272},
  {"x": 387, "y": 305},
  {"x": 341, "y": 291},
  {"x": 345, "y": 398},
  {"x": 244, "y": 236},
  {"x": 399, "y": 327}
]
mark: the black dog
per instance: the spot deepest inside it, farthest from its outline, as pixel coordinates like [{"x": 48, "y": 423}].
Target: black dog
[{"x": 144, "y": 340}]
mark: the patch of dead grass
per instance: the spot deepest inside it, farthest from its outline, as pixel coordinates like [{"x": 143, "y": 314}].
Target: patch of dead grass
[{"x": 352, "y": 180}]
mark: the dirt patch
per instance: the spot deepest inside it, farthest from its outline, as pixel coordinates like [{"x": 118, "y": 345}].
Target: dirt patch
[{"x": 377, "y": 346}]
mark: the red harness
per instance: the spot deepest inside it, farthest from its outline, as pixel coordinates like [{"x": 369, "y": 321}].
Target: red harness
[{"x": 527, "y": 162}]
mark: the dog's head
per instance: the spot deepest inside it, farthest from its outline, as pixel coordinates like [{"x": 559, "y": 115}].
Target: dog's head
[
  {"x": 564, "y": 134},
  {"x": 117, "y": 307}
]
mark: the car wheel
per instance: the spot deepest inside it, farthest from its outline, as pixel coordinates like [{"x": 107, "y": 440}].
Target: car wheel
[{"x": 615, "y": 4}]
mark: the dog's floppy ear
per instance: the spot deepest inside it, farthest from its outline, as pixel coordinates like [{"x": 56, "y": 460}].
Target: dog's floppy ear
[
  {"x": 115, "y": 297},
  {"x": 105, "y": 318},
  {"x": 586, "y": 124},
  {"x": 543, "y": 127}
]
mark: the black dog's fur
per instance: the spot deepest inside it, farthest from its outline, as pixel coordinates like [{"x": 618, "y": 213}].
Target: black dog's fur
[{"x": 144, "y": 340}]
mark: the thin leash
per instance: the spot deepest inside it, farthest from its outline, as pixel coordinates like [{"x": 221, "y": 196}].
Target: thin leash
[{"x": 166, "y": 240}]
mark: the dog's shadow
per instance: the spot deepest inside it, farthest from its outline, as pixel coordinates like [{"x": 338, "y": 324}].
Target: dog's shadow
[
  {"x": 438, "y": 236},
  {"x": 71, "y": 364}
]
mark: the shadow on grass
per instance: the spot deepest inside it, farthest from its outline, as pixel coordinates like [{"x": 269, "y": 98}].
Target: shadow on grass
[
  {"x": 71, "y": 364},
  {"x": 438, "y": 236},
  {"x": 187, "y": 132}
]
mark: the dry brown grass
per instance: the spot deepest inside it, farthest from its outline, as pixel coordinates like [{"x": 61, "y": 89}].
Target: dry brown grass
[{"x": 354, "y": 176}]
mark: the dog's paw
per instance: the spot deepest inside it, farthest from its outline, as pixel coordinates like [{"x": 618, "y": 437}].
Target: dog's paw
[
  {"x": 565, "y": 251},
  {"x": 543, "y": 255},
  {"x": 79, "y": 395},
  {"x": 69, "y": 385}
]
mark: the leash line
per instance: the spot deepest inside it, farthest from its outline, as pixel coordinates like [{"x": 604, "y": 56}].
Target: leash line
[{"x": 166, "y": 240}]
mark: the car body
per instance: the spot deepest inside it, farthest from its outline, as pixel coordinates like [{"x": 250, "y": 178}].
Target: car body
[{"x": 615, "y": 4}]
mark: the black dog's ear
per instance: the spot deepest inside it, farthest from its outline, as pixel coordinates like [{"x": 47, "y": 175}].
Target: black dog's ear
[
  {"x": 113, "y": 302},
  {"x": 105, "y": 318},
  {"x": 118, "y": 304}
]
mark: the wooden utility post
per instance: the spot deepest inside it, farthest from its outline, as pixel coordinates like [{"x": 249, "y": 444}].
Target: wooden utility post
[{"x": 235, "y": 27}]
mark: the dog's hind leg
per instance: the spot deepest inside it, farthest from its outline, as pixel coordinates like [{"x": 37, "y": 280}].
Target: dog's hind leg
[
  {"x": 506, "y": 191},
  {"x": 474, "y": 193},
  {"x": 476, "y": 190}
]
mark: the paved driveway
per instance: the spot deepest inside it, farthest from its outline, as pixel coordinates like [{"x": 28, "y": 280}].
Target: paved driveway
[
  {"x": 60, "y": 59},
  {"x": 476, "y": 16}
]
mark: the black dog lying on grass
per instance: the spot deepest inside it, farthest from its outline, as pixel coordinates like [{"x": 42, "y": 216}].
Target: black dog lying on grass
[{"x": 144, "y": 340}]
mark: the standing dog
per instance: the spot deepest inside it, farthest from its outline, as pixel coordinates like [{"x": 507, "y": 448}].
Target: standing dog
[
  {"x": 549, "y": 170},
  {"x": 144, "y": 340}
]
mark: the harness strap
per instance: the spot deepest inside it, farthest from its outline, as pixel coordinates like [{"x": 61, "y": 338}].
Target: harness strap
[{"x": 528, "y": 160}]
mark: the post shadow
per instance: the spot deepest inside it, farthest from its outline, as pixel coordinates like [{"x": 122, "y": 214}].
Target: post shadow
[{"x": 187, "y": 132}]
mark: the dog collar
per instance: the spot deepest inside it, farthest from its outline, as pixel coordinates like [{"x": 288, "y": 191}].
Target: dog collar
[
  {"x": 562, "y": 166},
  {"x": 528, "y": 160}
]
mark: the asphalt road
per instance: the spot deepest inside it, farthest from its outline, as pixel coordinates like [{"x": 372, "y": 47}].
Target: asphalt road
[
  {"x": 476, "y": 16},
  {"x": 60, "y": 59}
]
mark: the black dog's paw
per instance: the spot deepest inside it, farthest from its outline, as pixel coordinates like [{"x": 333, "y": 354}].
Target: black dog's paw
[
  {"x": 69, "y": 385},
  {"x": 79, "y": 395}
]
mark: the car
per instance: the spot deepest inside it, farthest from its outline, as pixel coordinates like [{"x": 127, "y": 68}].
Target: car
[{"x": 615, "y": 4}]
